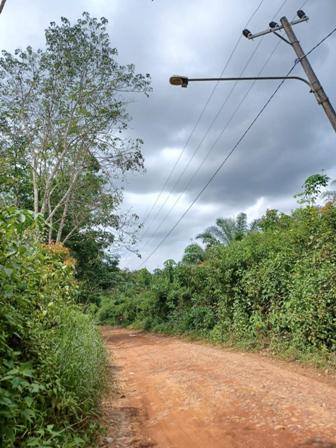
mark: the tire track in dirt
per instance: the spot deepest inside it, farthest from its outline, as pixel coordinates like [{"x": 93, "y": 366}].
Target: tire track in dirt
[{"x": 177, "y": 394}]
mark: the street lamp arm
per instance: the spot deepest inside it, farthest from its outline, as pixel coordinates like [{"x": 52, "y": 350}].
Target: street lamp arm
[
  {"x": 252, "y": 78},
  {"x": 183, "y": 81}
]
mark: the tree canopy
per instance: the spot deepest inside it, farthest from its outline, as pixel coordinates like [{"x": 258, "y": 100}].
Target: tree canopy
[{"x": 63, "y": 120}]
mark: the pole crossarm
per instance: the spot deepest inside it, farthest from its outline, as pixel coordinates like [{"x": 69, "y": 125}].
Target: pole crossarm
[{"x": 276, "y": 28}]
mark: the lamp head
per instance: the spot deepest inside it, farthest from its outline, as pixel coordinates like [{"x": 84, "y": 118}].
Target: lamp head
[
  {"x": 273, "y": 25},
  {"x": 178, "y": 80},
  {"x": 301, "y": 14}
]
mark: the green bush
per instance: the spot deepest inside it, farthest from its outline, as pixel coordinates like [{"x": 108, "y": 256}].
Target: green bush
[
  {"x": 52, "y": 360},
  {"x": 276, "y": 288}
]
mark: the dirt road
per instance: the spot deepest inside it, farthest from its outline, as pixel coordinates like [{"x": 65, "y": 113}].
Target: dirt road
[{"x": 176, "y": 394}]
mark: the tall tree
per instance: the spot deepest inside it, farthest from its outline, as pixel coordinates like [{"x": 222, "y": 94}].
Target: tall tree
[{"x": 63, "y": 117}]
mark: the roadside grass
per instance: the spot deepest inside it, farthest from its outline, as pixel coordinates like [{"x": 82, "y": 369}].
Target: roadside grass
[{"x": 79, "y": 356}]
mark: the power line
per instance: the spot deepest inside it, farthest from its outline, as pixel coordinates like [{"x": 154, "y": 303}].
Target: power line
[
  {"x": 176, "y": 183},
  {"x": 236, "y": 145},
  {"x": 205, "y": 158},
  {"x": 321, "y": 42},
  {"x": 210, "y": 127},
  {"x": 261, "y": 111},
  {"x": 197, "y": 148},
  {"x": 201, "y": 115}
]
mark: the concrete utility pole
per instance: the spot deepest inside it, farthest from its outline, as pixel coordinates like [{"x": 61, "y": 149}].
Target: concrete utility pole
[
  {"x": 314, "y": 82},
  {"x": 316, "y": 86}
]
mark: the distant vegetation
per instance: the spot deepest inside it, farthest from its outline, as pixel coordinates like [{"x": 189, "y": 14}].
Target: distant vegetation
[
  {"x": 271, "y": 285},
  {"x": 63, "y": 157}
]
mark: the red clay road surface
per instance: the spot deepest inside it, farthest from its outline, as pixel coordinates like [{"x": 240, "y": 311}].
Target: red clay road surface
[{"x": 178, "y": 394}]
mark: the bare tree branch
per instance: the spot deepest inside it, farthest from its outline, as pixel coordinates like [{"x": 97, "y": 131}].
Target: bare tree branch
[{"x": 66, "y": 194}]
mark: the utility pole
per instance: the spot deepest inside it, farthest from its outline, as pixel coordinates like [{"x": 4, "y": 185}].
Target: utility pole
[
  {"x": 316, "y": 86},
  {"x": 314, "y": 82}
]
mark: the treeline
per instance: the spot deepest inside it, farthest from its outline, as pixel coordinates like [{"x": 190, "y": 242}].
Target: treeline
[{"x": 273, "y": 285}]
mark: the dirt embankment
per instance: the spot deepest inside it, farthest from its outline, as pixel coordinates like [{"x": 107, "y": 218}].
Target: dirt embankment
[{"x": 176, "y": 394}]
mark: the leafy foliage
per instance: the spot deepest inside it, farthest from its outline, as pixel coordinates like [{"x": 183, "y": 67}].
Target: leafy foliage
[
  {"x": 193, "y": 254},
  {"x": 312, "y": 188},
  {"x": 52, "y": 359},
  {"x": 64, "y": 152}
]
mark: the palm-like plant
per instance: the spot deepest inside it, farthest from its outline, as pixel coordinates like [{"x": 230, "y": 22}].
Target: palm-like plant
[{"x": 225, "y": 231}]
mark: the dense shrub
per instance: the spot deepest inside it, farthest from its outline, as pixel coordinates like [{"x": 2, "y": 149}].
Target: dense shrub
[
  {"x": 52, "y": 360},
  {"x": 275, "y": 288}
]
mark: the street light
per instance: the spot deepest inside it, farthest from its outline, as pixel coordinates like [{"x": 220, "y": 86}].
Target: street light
[
  {"x": 178, "y": 80},
  {"x": 183, "y": 81}
]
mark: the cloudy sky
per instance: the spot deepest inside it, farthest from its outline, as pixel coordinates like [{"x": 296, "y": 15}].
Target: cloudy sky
[{"x": 188, "y": 132}]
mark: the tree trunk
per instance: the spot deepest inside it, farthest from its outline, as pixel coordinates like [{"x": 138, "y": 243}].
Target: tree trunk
[
  {"x": 35, "y": 186},
  {"x": 64, "y": 215}
]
